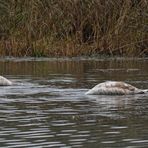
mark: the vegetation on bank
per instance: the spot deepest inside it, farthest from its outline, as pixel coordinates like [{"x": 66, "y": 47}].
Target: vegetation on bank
[{"x": 73, "y": 27}]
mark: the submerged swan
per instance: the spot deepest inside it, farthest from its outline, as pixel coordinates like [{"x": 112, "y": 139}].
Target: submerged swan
[
  {"x": 115, "y": 88},
  {"x": 4, "y": 81}
]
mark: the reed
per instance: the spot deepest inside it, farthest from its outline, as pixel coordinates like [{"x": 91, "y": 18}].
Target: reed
[{"x": 73, "y": 27}]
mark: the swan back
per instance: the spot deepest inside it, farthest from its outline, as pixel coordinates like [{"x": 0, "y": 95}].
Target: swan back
[
  {"x": 4, "y": 81},
  {"x": 114, "y": 88}
]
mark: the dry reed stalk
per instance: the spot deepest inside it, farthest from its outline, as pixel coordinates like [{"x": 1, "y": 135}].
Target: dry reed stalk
[{"x": 73, "y": 27}]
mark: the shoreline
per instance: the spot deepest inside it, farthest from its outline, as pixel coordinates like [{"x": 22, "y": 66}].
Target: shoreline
[{"x": 81, "y": 58}]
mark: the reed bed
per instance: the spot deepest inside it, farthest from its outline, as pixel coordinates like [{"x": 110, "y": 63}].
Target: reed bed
[{"x": 73, "y": 27}]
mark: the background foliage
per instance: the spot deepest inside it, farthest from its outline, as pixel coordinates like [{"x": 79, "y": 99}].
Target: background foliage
[{"x": 73, "y": 27}]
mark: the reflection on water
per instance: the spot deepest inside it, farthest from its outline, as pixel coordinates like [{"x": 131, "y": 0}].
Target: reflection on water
[{"x": 47, "y": 105}]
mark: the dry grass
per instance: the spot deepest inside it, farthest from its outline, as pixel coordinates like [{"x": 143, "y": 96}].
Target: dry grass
[{"x": 73, "y": 27}]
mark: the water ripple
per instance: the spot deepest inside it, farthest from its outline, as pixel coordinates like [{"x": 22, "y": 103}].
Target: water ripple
[{"x": 50, "y": 109}]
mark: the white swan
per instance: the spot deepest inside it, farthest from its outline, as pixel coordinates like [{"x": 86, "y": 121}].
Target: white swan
[
  {"x": 115, "y": 88},
  {"x": 4, "y": 81}
]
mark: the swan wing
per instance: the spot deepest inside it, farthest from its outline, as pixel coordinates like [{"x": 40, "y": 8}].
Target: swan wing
[
  {"x": 109, "y": 91},
  {"x": 121, "y": 85},
  {"x": 113, "y": 88},
  {"x": 4, "y": 81}
]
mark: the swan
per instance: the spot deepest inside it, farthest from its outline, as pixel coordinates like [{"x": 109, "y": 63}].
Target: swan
[
  {"x": 115, "y": 88},
  {"x": 4, "y": 81}
]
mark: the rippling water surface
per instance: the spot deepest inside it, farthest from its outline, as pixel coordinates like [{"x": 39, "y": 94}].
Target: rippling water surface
[{"x": 47, "y": 107}]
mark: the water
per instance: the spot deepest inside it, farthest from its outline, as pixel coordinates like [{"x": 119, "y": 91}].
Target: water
[{"x": 47, "y": 107}]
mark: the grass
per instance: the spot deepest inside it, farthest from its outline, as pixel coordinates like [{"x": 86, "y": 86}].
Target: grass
[{"x": 73, "y": 28}]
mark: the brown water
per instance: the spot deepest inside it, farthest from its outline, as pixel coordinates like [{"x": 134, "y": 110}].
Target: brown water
[{"x": 47, "y": 107}]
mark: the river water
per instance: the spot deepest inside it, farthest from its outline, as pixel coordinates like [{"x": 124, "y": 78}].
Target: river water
[{"x": 47, "y": 105}]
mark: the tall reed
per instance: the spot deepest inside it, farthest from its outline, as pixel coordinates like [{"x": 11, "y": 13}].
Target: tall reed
[{"x": 73, "y": 27}]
